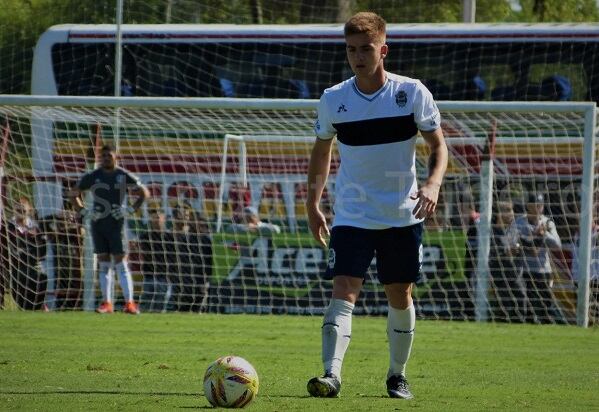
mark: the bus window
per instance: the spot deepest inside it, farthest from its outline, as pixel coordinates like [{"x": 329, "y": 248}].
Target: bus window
[
  {"x": 479, "y": 62},
  {"x": 559, "y": 81},
  {"x": 264, "y": 75},
  {"x": 170, "y": 70},
  {"x": 84, "y": 69}
]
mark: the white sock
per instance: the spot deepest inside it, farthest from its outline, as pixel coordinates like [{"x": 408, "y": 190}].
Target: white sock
[
  {"x": 336, "y": 334},
  {"x": 125, "y": 280},
  {"x": 400, "y": 331},
  {"x": 105, "y": 275}
]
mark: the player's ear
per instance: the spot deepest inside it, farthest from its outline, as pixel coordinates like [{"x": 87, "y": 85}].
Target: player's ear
[{"x": 384, "y": 50}]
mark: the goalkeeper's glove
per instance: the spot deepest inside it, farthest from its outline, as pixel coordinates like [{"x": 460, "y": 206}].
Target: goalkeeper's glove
[
  {"x": 85, "y": 213},
  {"x": 120, "y": 212}
]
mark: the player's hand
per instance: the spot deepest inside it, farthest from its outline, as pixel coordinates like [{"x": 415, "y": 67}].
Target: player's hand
[
  {"x": 85, "y": 213},
  {"x": 427, "y": 200},
  {"x": 119, "y": 212},
  {"x": 318, "y": 225}
]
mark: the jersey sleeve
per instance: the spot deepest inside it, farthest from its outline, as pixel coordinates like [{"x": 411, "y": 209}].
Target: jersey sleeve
[
  {"x": 322, "y": 126},
  {"x": 426, "y": 112},
  {"x": 85, "y": 182},
  {"x": 131, "y": 179}
]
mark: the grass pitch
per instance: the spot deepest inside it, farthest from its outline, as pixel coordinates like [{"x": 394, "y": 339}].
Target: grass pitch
[{"x": 84, "y": 361}]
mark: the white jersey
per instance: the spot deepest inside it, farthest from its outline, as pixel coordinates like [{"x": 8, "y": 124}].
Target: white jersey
[{"x": 376, "y": 136}]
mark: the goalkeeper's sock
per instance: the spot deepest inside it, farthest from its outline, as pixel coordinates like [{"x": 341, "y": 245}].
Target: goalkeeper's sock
[
  {"x": 122, "y": 269},
  {"x": 400, "y": 331},
  {"x": 105, "y": 275},
  {"x": 336, "y": 334}
]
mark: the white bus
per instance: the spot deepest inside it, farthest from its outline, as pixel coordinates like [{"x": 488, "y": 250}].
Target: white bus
[{"x": 456, "y": 61}]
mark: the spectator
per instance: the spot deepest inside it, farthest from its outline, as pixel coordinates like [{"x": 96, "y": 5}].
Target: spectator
[
  {"x": 201, "y": 240},
  {"x": 64, "y": 232},
  {"x": 469, "y": 220},
  {"x": 251, "y": 223},
  {"x": 250, "y": 260},
  {"x": 538, "y": 235},
  {"x": 24, "y": 254},
  {"x": 193, "y": 259},
  {"x": 505, "y": 264},
  {"x": 593, "y": 274},
  {"x": 156, "y": 246}
]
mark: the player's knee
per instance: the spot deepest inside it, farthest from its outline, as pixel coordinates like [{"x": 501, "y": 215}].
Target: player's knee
[
  {"x": 118, "y": 259},
  {"x": 399, "y": 297}
]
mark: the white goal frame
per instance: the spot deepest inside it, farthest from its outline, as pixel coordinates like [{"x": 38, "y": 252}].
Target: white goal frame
[{"x": 43, "y": 149}]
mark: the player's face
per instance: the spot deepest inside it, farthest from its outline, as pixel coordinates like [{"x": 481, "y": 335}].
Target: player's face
[
  {"x": 108, "y": 159},
  {"x": 365, "y": 54}
]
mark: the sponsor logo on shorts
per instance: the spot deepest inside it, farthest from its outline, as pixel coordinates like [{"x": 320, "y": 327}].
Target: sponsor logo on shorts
[{"x": 331, "y": 258}]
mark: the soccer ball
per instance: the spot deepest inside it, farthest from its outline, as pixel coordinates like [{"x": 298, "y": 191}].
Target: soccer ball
[{"x": 230, "y": 381}]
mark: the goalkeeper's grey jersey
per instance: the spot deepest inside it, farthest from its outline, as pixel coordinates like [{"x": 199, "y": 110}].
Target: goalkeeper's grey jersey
[{"x": 107, "y": 188}]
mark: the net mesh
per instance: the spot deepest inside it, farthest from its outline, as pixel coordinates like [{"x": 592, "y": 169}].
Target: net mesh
[{"x": 181, "y": 259}]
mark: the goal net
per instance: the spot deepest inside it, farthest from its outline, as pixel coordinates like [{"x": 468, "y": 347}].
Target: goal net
[{"x": 213, "y": 165}]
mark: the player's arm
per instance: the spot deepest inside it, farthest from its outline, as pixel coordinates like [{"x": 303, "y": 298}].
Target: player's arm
[
  {"x": 142, "y": 193},
  {"x": 75, "y": 199},
  {"x": 75, "y": 193},
  {"x": 428, "y": 195},
  {"x": 318, "y": 172}
]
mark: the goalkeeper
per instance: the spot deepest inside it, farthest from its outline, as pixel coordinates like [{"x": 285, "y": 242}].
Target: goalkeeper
[
  {"x": 109, "y": 185},
  {"x": 379, "y": 208}
]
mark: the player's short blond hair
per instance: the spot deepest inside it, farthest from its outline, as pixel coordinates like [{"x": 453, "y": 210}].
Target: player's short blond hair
[{"x": 366, "y": 22}]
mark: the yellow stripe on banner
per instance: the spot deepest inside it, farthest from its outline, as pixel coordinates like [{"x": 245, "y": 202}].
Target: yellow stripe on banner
[
  {"x": 189, "y": 146},
  {"x": 538, "y": 150}
]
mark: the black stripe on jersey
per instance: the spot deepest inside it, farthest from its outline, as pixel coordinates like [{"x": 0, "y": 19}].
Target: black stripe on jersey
[{"x": 376, "y": 131}]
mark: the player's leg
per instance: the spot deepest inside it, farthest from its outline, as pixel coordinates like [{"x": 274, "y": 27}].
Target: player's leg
[
  {"x": 350, "y": 254},
  {"x": 102, "y": 250},
  {"x": 106, "y": 279},
  {"x": 401, "y": 321},
  {"x": 399, "y": 256},
  {"x": 119, "y": 253}
]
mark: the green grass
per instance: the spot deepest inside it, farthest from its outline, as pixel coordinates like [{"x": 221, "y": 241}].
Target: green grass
[{"x": 82, "y": 361}]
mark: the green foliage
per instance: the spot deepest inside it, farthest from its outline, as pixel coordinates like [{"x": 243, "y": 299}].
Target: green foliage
[
  {"x": 544, "y": 11},
  {"x": 83, "y": 361},
  {"x": 23, "y": 21}
]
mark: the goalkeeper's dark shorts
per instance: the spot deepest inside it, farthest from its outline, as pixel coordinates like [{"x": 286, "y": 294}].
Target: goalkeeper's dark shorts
[
  {"x": 109, "y": 237},
  {"x": 398, "y": 252}
]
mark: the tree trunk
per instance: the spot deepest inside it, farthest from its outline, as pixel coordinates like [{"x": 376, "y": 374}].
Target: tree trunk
[
  {"x": 256, "y": 7},
  {"x": 345, "y": 10},
  {"x": 539, "y": 9}
]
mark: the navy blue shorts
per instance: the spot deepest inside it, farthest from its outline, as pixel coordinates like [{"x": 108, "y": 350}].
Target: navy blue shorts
[
  {"x": 398, "y": 252},
  {"x": 108, "y": 237}
]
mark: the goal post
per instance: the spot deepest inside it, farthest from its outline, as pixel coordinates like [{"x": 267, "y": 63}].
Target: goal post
[
  {"x": 216, "y": 155},
  {"x": 296, "y": 143}
]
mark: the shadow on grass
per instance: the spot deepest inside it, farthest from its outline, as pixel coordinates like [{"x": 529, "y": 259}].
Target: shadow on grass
[
  {"x": 61, "y": 392},
  {"x": 100, "y": 392}
]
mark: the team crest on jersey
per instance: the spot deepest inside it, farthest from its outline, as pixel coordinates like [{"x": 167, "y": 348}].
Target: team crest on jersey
[{"x": 401, "y": 98}]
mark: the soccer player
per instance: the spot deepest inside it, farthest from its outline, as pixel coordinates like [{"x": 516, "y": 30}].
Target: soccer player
[
  {"x": 108, "y": 185},
  {"x": 379, "y": 208}
]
